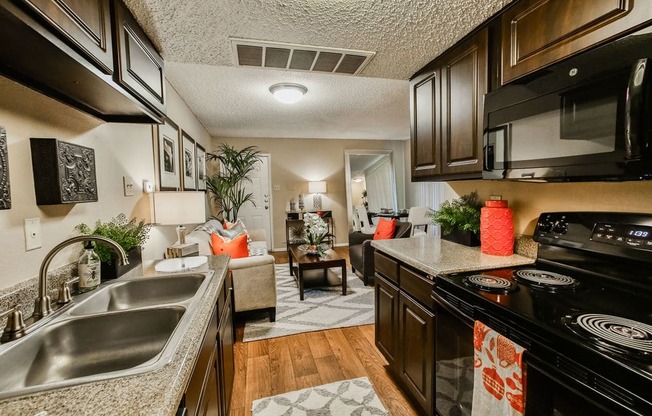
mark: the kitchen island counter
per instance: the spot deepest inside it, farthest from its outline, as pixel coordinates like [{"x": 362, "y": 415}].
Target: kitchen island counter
[{"x": 435, "y": 256}]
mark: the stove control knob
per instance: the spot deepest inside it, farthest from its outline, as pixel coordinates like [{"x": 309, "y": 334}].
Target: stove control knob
[
  {"x": 544, "y": 227},
  {"x": 560, "y": 227}
]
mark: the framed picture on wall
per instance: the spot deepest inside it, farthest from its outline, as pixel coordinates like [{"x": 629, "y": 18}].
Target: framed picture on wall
[
  {"x": 168, "y": 156},
  {"x": 5, "y": 194},
  {"x": 188, "y": 161},
  {"x": 201, "y": 168}
]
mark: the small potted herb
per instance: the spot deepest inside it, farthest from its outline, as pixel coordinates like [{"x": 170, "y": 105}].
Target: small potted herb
[
  {"x": 460, "y": 219},
  {"x": 129, "y": 234}
]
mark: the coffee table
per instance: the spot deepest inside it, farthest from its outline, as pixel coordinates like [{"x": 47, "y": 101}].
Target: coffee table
[{"x": 312, "y": 270}]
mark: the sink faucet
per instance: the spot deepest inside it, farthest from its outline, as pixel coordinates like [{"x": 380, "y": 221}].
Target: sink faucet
[{"x": 42, "y": 305}]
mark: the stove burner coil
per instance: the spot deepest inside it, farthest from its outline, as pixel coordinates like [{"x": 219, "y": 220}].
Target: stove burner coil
[
  {"x": 489, "y": 283},
  {"x": 545, "y": 279},
  {"x": 619, "y": 331}
]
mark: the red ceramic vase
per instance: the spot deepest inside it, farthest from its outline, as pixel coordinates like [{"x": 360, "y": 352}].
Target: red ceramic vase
[{"x": 496, "y": 228}]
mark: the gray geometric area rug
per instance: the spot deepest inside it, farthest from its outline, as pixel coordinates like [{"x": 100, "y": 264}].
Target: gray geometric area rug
[
  {"x": 322, "y": 307},
  {"x": 348, "y": 397}
]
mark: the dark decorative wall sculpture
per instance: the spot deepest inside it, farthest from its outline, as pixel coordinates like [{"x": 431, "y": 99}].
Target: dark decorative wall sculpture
[
  {"x": 5, "y": 195},
  {"x": 64, "y": 173}
]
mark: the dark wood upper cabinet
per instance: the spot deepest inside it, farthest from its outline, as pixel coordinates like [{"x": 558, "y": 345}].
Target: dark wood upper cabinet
[
  {"x": 66, "y": 49},
  {"x": 424, "y": 125},
  {"x": 464, "y": 83},
  {"x": 86, "y": 24},
  {"x": 536, "y": 33},
  {"x": 446, "y": 103},
  {"x": 140, "y": 67}
]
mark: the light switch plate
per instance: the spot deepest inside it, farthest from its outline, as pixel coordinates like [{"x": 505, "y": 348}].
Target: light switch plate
[
  {"x": 128, "y": 182},
  {"x": 32, "y": 233}
]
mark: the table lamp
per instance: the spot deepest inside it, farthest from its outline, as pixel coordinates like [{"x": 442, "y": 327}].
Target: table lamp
[
  {"x": 179, "y": 208},
  {"x": 317, "y": 188}
]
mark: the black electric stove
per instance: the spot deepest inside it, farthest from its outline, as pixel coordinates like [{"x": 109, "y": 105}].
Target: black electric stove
[{"x": 583, "y": 311}]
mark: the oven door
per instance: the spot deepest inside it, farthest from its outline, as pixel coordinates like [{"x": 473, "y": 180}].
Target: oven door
[
  {"x": 546, "y": 394},
  {"x": 453, "y": 360}
]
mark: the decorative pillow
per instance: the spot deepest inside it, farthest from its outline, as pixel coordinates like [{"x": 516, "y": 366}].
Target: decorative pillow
[
  {"x": 233, "y": 230},
  {"x": 385, "y": 229},
  {"x": 209, "y": 227},
  {"x": 237, "y": 247}
]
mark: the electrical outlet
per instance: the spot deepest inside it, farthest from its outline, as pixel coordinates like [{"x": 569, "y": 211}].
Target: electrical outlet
[
  {"x": 148, "y": 187},
  {"x": 32, "y": 234},
  {"x": 128, "y": 183},
  {"x": 277, "y": 187}
]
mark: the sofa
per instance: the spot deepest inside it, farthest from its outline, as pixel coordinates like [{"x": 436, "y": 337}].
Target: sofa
[
  {"x": 361, "y": 253},
  {"x": 254, "y": 277}
]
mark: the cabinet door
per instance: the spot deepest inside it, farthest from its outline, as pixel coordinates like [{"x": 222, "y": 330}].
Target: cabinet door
[
  {"x": 424, "y": 125},
  {"x": 86, "y": 24},
  {"x": 536, "y": 33},
  {"x": 386, "y": 320},
  {"x": 140, "y": 67},
  {"x": 417, "y": 351},
  {"x": 464, "y": 83},
  {"x": 225, "y": 361},
  {"x": 211, "y": 400},
  {"x": 197, "y": 393}
]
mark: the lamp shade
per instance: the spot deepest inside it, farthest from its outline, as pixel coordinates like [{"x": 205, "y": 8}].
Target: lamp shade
[
  {"x": 317, "y": 187},
  {"x": 176, "y": 208}
]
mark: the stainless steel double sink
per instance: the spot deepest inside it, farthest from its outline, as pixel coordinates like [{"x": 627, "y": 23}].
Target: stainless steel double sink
[{"x": 123, "y": 328}]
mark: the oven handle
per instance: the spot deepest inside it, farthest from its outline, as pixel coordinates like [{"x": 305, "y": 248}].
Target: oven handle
[{"x": 453, "y": 310}]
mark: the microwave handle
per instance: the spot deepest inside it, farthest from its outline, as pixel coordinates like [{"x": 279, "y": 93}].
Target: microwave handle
[{"x": 634, "y": 107}]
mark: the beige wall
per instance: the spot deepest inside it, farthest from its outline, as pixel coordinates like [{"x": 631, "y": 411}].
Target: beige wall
[
  {"x": 528, "y": 200},
  {"x": 297, "y": 161},
  {"x": 120, "y": 150}
]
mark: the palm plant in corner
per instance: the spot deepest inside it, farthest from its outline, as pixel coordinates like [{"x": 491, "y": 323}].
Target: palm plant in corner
[
  {"x": 228, "y": 186},
  {"x": 460, "y": 219}
]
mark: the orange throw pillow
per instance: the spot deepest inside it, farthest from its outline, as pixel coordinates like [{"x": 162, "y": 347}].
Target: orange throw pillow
[
  {"x": 237, "y": 247},
  {"x": 385, "y": 229}
]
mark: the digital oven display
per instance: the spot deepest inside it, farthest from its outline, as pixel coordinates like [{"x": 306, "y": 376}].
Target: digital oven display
[
  {"x": 623, "y": 234},
  {"x": 639, "y": 233}
]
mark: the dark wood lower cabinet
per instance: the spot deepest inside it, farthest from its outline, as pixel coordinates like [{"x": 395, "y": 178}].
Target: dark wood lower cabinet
[
  {"x": 416, "y": 350},
  {"x": 405, "y": 330},
  {"x": 386, "y": 319},
  {"x": 211, "y": 384},
  {"x": 225, "y": 357}
]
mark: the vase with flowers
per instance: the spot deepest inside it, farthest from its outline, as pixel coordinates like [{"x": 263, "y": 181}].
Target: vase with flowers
[{"x": 316, "y": 231}]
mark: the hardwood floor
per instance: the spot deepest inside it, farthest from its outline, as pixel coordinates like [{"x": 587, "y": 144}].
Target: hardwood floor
[{"x": 279, "y": 365}]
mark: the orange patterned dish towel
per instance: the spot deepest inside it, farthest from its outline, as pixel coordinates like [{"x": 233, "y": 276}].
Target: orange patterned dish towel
[{"x": 498, "y": 381}]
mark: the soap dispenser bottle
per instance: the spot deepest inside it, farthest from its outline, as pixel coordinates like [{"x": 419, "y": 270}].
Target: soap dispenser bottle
[{"x": 88, "y": 268}]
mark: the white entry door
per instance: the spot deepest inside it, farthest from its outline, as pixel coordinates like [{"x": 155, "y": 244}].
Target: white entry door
[{"x": 259, "y": 216}]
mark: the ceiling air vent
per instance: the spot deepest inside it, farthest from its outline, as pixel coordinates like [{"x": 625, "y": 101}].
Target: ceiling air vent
[{"x": 277, "y": 55}]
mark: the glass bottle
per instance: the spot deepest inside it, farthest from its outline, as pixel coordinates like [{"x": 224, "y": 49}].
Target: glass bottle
[{"x": 88, "y": 268}]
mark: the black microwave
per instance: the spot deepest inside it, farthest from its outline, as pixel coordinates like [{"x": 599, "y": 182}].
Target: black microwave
[{"x": 587, "y": 118}]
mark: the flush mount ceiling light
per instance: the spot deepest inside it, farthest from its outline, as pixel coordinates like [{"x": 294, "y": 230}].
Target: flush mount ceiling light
[{"x": 288, "y": 93}]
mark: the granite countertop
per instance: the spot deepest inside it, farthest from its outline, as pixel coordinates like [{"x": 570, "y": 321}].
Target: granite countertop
[
  {"x": 435, "y": 256},
  {"x": 155, "y": 392}
]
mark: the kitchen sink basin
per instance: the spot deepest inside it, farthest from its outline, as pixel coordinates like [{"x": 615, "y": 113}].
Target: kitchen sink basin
[
  {"x": 141, "y": 292},
  {"x": 123, "y": 328},
  {"x": 87, "y": 346}
]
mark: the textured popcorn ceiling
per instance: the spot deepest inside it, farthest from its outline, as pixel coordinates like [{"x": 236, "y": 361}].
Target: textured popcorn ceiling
[{"x": 192, "y": 36}]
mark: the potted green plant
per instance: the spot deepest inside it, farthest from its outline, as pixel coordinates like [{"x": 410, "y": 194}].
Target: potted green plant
[
  {"x": 129, "y": 234},
  {"x": 460, "y": 219},
  {"x": 228, "y": 185}
]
